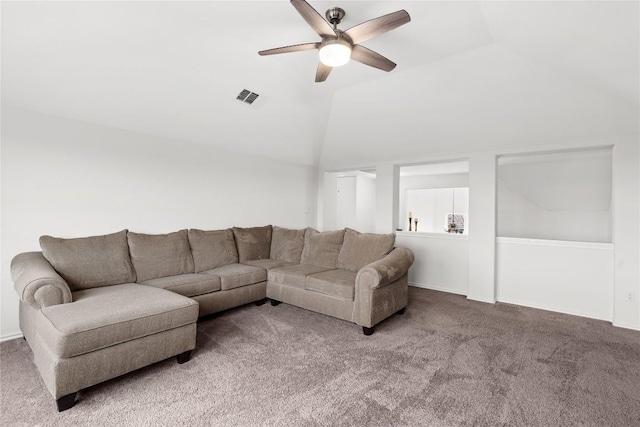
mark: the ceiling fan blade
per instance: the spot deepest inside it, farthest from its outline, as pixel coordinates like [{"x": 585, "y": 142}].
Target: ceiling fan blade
[
  {"x": 371, "y": 58},
  {"x": 313, "y": 18},
  {"x": 380, "y": 25},
  {"x": 287, "y": 49},
  {"x": 323, "y": 72}
]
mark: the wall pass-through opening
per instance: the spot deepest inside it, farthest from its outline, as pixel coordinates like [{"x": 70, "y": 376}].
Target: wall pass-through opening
[{"x": 434, "y": 198}]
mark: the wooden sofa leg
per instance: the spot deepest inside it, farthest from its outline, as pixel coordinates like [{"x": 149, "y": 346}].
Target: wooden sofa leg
[
  {"x": 66, "y": 402},
  {"x": 275, "y": 302},
  {"x": 261, "y": 302},
  {"x": 367, "y": 331},
  {"x": 401, "y": 311},
  {"x": 183, "y": 357}
]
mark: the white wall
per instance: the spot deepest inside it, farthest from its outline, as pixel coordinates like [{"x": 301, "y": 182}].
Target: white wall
[
  {"x": 366, "y": 203},
  {"x": 574, "y": 278},
  {"x": 356, "y": 202},
  {"x": 327, "y": 201},
  {"x": 347, "y": 202},
  {"x": 482, "y": 214},
  {"x": 387, "y": 197},
  {"x": 442, "y": 261},
  {"x": 68, "y": 178},
  {"x": 626, "y": 226}
]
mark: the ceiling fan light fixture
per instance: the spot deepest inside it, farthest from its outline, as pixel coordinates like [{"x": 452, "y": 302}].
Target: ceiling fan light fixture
[{"x": 335, "y": 52}]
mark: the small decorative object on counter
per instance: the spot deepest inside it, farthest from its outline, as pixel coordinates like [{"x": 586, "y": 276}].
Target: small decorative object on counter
[
  {"x": 410, "y": 215},
  {"x": 455, "y": 222},
  {"x": 415, "y": 221}
]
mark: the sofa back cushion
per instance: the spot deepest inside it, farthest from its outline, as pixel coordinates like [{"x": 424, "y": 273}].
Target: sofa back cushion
[
  {"x": 90, "y": 262},
  {"x": 160, "y": 255},
  {"x": 212, "y": 249},
  {"x": 253, "y": 243},
  {"x": 360, "y": 249},
  {"x": 322, "y": 249},
  {"x": 286, "y": 244}
]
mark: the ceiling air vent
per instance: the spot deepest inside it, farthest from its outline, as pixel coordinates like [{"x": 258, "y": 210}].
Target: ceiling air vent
[
  {"x": 247, "y": 96},
  {"x": 252, "y": 97},
  {"x": 242, "y": 95}
]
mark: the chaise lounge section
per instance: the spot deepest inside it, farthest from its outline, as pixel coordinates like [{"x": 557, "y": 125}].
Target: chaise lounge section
[
  {"x": 95, "y": 308},
  {"x": 88, "y": 322}
]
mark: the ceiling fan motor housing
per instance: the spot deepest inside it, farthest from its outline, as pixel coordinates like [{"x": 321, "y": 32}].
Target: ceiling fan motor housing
[{"x": 335, "y": 15}]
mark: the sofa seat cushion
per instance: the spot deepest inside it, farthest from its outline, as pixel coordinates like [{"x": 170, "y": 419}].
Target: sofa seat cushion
[
  {"x": 189, "y": 285},
  {"x": 268, "y": 264},
  {"x": 293, "y": 275},
  {"x": 339, "y": 283},
  {"x": 236, "y": 275},
  {"x": 101, "y": 317}
]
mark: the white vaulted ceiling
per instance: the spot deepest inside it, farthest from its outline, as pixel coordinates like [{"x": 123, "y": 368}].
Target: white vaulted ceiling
[{"x": 470, "y": 75}]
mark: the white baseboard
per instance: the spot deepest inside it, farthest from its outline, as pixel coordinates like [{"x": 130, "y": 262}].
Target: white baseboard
[
  {"x": 481, "y": 299},
  {"x": 450, "y": 291},
  {"x": 10, "y": 337},
  {"x": 519, "y": 303},
  {"x": 436, "y": 288},
  {"x": 557, "y": 310},
  {"x": 626, "y": 326}
]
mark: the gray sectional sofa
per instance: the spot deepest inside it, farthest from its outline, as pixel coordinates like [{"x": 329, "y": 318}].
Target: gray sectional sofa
[{"x": 98, "y": 307}]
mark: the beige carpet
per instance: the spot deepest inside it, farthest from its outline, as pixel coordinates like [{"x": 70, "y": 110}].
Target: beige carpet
[{"x": 447, "y": 361}]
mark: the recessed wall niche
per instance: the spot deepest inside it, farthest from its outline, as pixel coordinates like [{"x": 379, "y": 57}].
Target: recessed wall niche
[
  {"x": 556, "y": 196},
  {"x": 437, "y": 195}
]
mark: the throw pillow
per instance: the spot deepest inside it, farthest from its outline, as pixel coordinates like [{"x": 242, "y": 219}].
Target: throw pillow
[
  {"x": 322, "y": 249},
  {"x": 253, "y": 243},
  {"x": 212, "y": 249},
  {"x": 160, "y": 255},
  {"x": 90, "y": 262},
  {"x": 360, "y": 249},
  {"x": 287, "y": 245}
]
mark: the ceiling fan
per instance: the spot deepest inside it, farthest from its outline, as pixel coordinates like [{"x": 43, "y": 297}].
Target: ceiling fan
[{"x": 337, "y": 46}]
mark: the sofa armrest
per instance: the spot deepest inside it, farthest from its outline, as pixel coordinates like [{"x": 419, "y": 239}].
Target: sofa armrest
[
  {"x": 37, "y": 282},
  {"x": 386, "y": 270}
]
